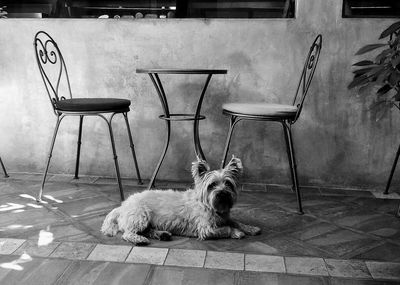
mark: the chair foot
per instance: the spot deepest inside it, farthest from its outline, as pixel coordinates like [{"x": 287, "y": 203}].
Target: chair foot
[
  {"x": 59, "y": 119},
  {"x": 292, "y": 163}
]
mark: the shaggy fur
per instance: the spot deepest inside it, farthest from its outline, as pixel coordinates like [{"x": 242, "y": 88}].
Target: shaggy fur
[{"x": 202, "y": 212}]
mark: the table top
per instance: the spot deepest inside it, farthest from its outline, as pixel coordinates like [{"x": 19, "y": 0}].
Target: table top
[{"x": 181, "y": 71}]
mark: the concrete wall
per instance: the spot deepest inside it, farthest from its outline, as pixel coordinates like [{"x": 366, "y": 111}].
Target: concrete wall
[{"x": 338, "y": 140}]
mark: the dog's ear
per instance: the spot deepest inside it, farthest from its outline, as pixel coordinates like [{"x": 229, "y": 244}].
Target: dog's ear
[
  {"x": 199, "y": 168},
  {"x": 234, "y": 167}
]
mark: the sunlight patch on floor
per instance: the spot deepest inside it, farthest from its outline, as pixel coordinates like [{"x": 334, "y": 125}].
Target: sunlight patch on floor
[
  {"x": 45, "y": 237},
  {"x": 15, "y": 264}
]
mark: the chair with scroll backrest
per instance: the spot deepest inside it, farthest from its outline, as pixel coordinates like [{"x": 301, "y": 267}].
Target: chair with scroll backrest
[
  {"x": 55, "y": 77},
  {"x": 287, "y": 115},
  {"x": 4, "y": 168}
]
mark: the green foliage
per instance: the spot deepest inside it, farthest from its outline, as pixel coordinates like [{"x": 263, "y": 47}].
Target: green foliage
[{"x": 383, "y": 70}]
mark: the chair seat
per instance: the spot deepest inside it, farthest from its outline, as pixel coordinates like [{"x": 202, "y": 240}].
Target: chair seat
[
  {"x": 261, "y": 109},
  {"x": 93, "y": 105}
]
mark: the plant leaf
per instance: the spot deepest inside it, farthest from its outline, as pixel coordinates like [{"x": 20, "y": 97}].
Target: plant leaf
[
  {"x": 395, "y": 61},
  {"x": 390, "y": 30},
  {"x": 384, "y": 55},
  {"x": 361, "y": 80},
  {"x": 382, "y": 77},
  {"x": 397, "y": 96},
  {"x": 363, "y": 63},
  {"x": 394, "y": 78},
  {"x": 362, "y": 70},
  {"x": 384, "y": 89},
  {"x": 368, "y": 48}
]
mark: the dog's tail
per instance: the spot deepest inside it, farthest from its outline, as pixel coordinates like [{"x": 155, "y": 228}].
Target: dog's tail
[{"x": 110, "y": 224}]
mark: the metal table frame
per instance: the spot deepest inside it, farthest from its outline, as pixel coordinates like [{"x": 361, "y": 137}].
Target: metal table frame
[{"x": 168, "y": 117}]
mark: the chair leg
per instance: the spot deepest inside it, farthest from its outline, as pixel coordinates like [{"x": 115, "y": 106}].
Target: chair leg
[
  {"x": 392, "y": 171},
  {"x": 78, "y": 152},
  {"x": 59, "y": 119},
  {"x": 166, "y": 144},
  {"x": 232, "y": 122},
  {"x": 4, "y": 168},
  {"x": 140, "y": 182},
  {"x": 289, "y": 155},
  {"x": 292, "y": 162},
  {"x": 121, "y": 191}
]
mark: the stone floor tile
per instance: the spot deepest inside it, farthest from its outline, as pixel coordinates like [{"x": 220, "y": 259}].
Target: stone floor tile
[
  {"x": 166, "y": 275},
  {"x": 84, "y": 179},
  {"x": 224, "y": 260},
  {"x": 306, "y": 265},
  {"x": 149, "y": 255},
  {"x": 343, "y": 243},
  {"x": 184, "y": 257},
  {"x": 125, "y": 181},
  {"x": 9, "y": 245},
  {"x": 290, "y": 279},
  {"x": 60, "y": 178},
  {"x": 103, "y": 252},
  {"x": 256, "y": 278},
  {"x": 28, "y": 176},
  {"x": 87, "y": 206},
  {"x": 383, "y": 252},
  {"x": 345, "y": 192},
  {"x": 347, "y": 268},
  {"x": 380, "y": 195},
  {"x": 352, "y": 281},
  {"x": 104, "y": 273},
  {"x": 73, "y": 250},
  {"x": 254, "y": 187},
  {"x": 264, "y": 263},
  {"x": 32, "y": 248},
  {"x": 384, "y": 270},
  {"x": 25, "y": 270}
]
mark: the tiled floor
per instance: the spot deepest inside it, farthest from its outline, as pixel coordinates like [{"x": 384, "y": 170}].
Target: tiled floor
[{"x": 345, "y": 237}]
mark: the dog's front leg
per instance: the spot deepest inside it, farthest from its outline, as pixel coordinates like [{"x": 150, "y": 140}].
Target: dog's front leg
[
  {"x": 247, "y": 229},
  {"x": 222, "y": 232}
]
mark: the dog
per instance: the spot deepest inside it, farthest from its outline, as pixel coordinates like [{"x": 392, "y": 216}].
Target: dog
[{"x": 201, "y": 212}]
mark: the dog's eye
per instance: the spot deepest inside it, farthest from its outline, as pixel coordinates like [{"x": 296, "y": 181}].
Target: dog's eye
[
  {"x": 212, "y": 185},
  {"x": 229, "y": 184}
]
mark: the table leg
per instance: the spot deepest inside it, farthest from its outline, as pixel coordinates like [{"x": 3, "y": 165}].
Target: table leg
[
  {"x": 167, "y": 138},
  {"x": 196, "y": 139}
]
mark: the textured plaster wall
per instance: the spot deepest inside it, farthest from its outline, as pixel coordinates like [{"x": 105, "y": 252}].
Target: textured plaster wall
[{"x": 337, "y": 139}]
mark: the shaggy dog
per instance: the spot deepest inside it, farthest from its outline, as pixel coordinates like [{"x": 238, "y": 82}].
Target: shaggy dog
[{"x": 202, "y": 212}]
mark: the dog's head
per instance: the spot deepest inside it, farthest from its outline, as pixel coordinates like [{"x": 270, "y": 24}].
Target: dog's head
[{"x": 217, "y": 189}]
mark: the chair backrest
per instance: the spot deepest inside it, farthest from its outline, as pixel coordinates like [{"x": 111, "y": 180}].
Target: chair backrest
[
  {"x": 52, "y": 67},
  {"x": 307, "y": 75}
]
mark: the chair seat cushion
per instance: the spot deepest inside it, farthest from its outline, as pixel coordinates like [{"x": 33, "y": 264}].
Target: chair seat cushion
[
  {"x": 261, "y": 109},
  {"x": 93, "y": 105}
]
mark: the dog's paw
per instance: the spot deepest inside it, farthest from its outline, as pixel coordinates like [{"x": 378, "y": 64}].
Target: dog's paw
[
  {"x": 135, "y": 238},
  {"x": 237, "y": 234},
  {"x": 253, "y": 231},
  {"x": 165, "y": 236}
]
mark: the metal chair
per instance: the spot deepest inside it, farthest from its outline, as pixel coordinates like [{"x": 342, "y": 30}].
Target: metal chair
[
  {"x": 4, "y": 168},
  {"x": 287, "y": 115},
  {"x": 49, "y": 58}
]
